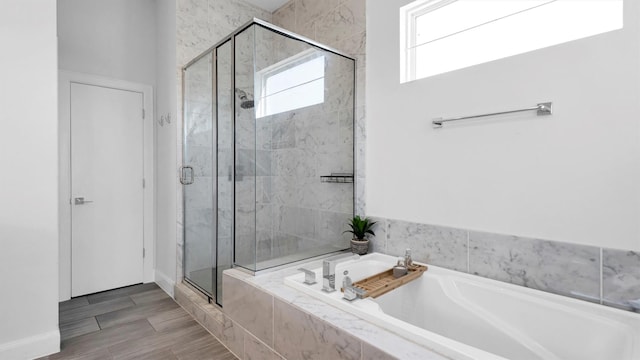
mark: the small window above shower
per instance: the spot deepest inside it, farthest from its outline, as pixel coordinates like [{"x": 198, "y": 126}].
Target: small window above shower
[{"x": 293, "y": 83}]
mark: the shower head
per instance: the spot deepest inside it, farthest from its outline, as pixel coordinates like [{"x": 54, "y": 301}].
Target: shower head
[
  {"x": 245, "y": 101},
  {"x": 246, "y": 104}
]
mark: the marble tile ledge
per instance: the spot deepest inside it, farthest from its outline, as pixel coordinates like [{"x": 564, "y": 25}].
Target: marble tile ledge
[{"x": 387, "y": 344}]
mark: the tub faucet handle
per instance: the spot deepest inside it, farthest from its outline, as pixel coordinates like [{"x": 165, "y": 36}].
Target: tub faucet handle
[
  {"x": 350, "y": 293},
  {"x": 309, "y": 276}
]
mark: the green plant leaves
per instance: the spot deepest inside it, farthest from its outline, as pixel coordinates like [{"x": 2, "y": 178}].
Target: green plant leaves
[{"x": 360, "y": 227}]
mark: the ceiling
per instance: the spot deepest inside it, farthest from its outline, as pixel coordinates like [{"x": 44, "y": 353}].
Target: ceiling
[{"x": 269, "y": 5}]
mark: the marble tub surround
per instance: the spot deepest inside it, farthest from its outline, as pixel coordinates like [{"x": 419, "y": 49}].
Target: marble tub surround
[
  {"x": 566, "y": 269},
  {"x": 250, "y": 307},
  {"x": 573, "y": 270},
  {"x": 322, "y": 320},
  {"x": 300, "y": 335},
  {"x": 437, "y": 245},
  {"x": 211, "y": 318},
  {"x": 621, "y": 278},
  {"x": 301, "y": 327}
]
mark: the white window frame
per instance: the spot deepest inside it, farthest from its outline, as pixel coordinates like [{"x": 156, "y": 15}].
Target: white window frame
[
  {"x": 408, "y": 35},
  {"x": 263, "y": 76}
]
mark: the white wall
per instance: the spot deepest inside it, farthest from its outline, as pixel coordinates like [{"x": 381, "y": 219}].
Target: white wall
[
  {"x": 572, "y": 177},
  {"x": 114, "y": 38},
  {"x": 166, "y": 137},
  {"x": 28, "y": 178}
]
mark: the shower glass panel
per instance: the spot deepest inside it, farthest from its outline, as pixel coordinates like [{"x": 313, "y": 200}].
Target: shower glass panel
[
  {"x": 271, "y": 115},
  {"x": 197, "y": 176},
  {"x": 224, "y": 96},
  {"x": 294, "y": 125},
  {"x": 245, "y": 150}
]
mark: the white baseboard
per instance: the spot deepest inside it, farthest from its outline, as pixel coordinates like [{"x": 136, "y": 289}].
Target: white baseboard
[
  {"x": 32, "y": 347},
  {"x": 165, "y": 282}
]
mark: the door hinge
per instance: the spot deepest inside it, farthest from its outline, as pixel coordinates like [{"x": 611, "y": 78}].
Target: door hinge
[
  {"x": 144, "y": 184},
  {"x": 143, "y": 113},
  {"x": 144, "y": 253}
]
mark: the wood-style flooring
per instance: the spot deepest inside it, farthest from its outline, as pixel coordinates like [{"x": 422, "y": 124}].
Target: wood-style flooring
[{"x": 137, "y": 322}]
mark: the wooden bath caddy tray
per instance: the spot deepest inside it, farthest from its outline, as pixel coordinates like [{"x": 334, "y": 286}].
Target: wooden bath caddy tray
[{"x": 384, "y": 282}]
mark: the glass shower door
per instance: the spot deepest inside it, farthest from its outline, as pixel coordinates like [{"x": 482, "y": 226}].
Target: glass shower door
[
  {"x": 268, "y": 118},
  {"x": 197, "y": 177}
]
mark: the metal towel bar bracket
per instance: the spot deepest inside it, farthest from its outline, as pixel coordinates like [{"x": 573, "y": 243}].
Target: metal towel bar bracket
[{"x": 542, "y": 109}]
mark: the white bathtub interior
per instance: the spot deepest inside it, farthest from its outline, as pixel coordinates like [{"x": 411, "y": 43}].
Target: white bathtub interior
[{"x": 469, "y": 317}]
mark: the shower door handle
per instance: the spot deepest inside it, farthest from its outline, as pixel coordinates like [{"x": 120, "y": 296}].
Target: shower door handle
[{"x": 184, "y": 180}]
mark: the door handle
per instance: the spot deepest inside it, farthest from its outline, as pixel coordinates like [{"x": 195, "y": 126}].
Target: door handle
[
  {"x": 81, "y": 201},
  {"x": 183, "y": 178}
]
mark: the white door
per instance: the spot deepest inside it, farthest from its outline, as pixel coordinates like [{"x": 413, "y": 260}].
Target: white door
[{"x": 106, "y": 188}]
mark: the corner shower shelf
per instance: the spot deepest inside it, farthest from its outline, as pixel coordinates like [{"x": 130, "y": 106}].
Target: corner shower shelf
[
  {"x": 382, "y": 283},
  {"x": 337, "y": 178}
]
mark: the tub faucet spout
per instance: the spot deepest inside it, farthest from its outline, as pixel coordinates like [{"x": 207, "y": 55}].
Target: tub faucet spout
[{"x": 329, "y": 270}]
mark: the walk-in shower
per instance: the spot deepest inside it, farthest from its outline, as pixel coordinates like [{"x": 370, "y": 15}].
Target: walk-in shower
[{"x": 268, "y": 118}]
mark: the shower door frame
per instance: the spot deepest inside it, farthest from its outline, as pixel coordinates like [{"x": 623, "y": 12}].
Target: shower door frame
[
  {"x": 214, "y": 51},
  {"x": 214, "y": 117}
]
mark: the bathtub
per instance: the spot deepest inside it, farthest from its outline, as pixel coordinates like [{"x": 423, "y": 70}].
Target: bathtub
[{"x": 468, "y": 317}]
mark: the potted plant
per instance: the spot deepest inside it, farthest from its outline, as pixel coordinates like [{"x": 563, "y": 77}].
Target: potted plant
[{"x": 360, "y": 228}]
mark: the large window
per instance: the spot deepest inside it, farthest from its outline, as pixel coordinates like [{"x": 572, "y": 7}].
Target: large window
[
  {"x": 291, "y": 84},
  {"x": 439, "y": 36}
]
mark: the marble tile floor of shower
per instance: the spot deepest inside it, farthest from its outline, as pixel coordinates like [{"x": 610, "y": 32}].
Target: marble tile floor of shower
[{"x": 136, "y": 322}]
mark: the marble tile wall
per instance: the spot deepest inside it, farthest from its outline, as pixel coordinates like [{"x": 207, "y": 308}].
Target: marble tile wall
[
  {"x": 621, "y": 279},
  {"x": 280, "y": 200},
  {"x": 606, "y": 276},
  {"x": 440, "y": 246},
  {"x": 202, "y": 23},
  {"x": 340, "y": 24},
  {"x": 309, "y": 142},
  {"x": 565, "y": 269}
]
